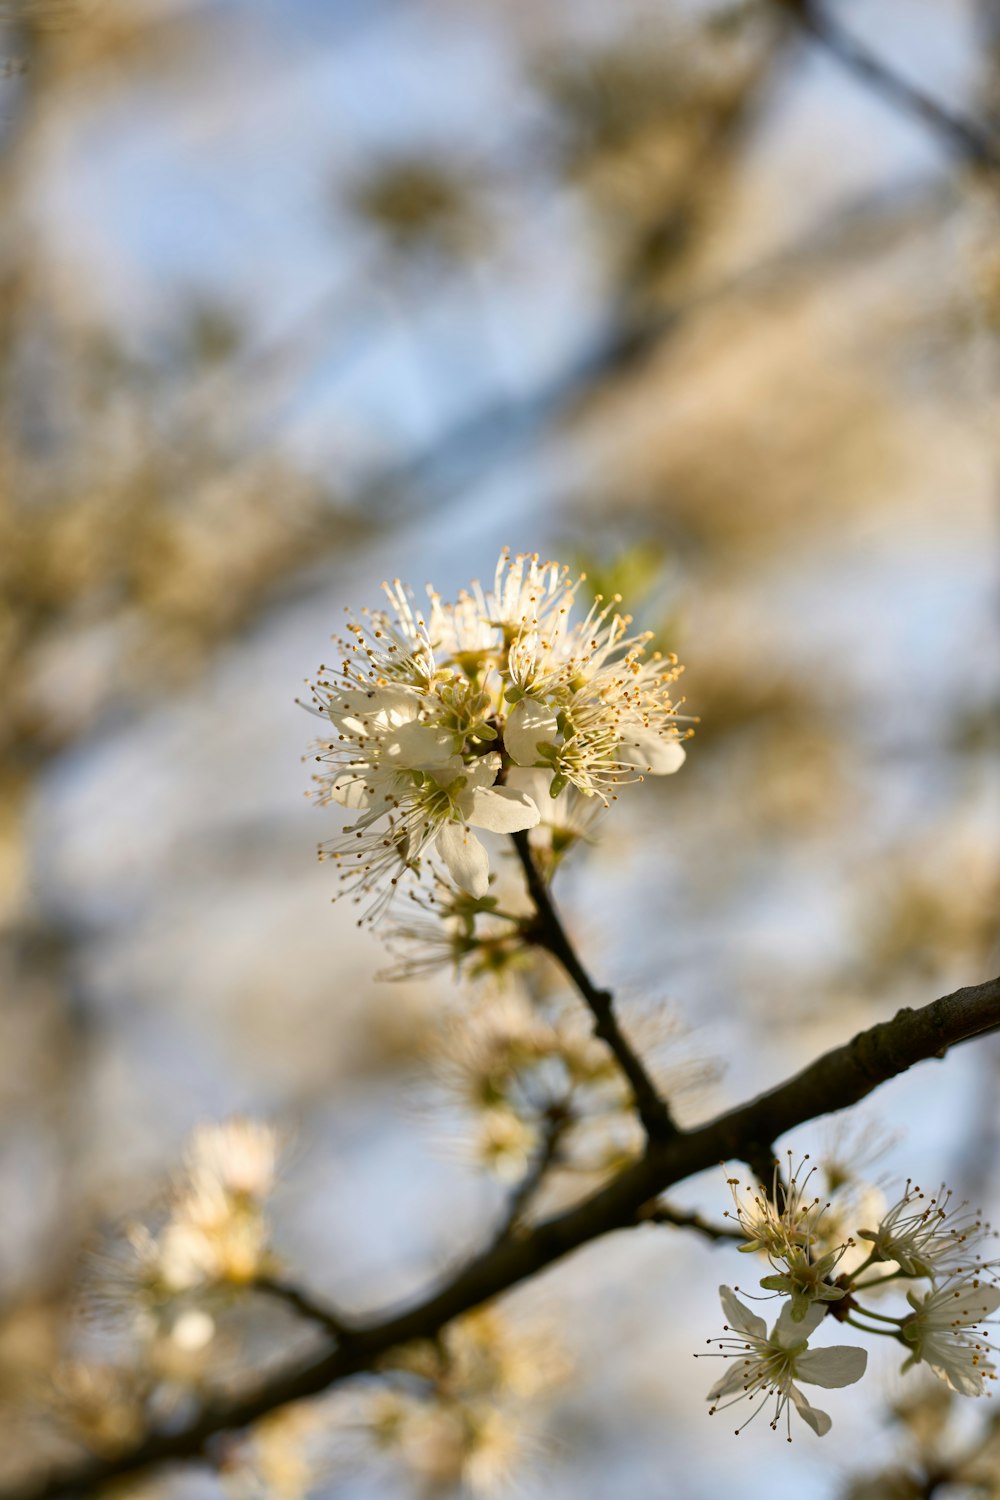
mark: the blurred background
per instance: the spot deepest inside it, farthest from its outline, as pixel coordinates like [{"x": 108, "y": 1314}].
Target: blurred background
[{"x": 296, "y": 295}]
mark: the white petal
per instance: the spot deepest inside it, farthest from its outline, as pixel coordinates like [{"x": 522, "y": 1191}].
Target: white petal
[
  {"x": 652, "y": 752},
  {"x": 482, "y": 772},
  {"x": 740, "y": 1318},
  {"x": 533, "y": 782},
  {"x": 528, "y": 724},
  {"x": 350, "y": 788},
  {"x": 816, "y": 1419},
  {"x": 393, "y": 706},
  {"x": 346, "y": 722},
  {"x": 498, "y": 808},
  {"x": 448, "y": 771},
  {"x": 741, "y": 1373},
  {"x": 970, "y": 1305},
  {"x": 357, "y": 712},
  {"x": 467, "y": 860},
  {"x": 841, "y": 1365},
  {"x": 788, "y": 1332},
  {"x": 418, "y": 747},
  {"x": 963, "y": 1376}
]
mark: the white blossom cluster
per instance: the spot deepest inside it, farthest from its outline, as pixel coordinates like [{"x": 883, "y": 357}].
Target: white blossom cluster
[
  {"x": 823, "y": 1270},
  {"x": 468, "y": 716},
  {"x": 461, "y": 1412},
  {"x": 165, "y": 1285},
  {"x": 217, "y": 1231}
]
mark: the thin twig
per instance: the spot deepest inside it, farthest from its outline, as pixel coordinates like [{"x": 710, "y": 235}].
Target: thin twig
[
  {"x": 550, "y": 934},
  {"x": 302, "y": 1303},
  {"x": 833, "y": 1082},
  {"x": 965, "y": 136},
  {"x": 662, "y": 1213},
  {"x": 557, "y": 1121}
]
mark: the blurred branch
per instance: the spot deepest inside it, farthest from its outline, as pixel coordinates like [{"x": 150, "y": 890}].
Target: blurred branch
[
  {"x": 621, "y": 350},
  {"x": 301, "y": 1303},
  {"x": 964, "y": 136},
  {"x": 429, "y": 478},
  {"x": 833, "y": 1082},
  {"x": 662, "y": 1213},
  {"x": 558, "y": 1119},
  {"x": 550, "y": 934}
]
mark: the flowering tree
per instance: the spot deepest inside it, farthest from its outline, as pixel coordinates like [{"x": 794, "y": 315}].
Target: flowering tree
[
  {"x": 502, "y": 714},
  {"x": 754, "y": 368}
]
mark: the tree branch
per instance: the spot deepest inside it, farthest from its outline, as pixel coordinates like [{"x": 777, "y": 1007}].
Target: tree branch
[
  {"x": 662, "y": 1213},
  {"x": 550, "y": 934},
  {"x": 964, "y": 136},
  {"x": 558, "y": 1119},
  {"x": 306, "y": 1307},
  {"x": 833, "y": 1082}
]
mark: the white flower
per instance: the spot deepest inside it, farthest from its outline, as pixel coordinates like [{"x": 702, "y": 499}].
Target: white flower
[
  {"x": 783, "y": 1220},
  {"x": 563, "y": 819},
  {"x": 588, "y": 707},
  {"x": 398, "y": 768},
  {"x": 794, "y": 1237},
  {"x": 942, "y": 1332},
  {"x": 526, "y": 594},
  {"x": 428, "y": 712},
  {"x": 439, "y": 807},
  {"x": 217, "y": 1231},
  {"x": 768, "y": 1364},
  {"x": 382, "y": 734},
  {"x": 238, "y": 1157},
  {"x": 926, "y": 1236}
]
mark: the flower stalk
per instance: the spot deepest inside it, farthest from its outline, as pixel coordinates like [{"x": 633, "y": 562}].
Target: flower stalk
[{"x": 550, "y": 934}]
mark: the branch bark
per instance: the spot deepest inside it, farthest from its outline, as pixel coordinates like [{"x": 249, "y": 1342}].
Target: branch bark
[
  {"x": 558, "y": 1120},
  {"x": 551, "y": 935},
  {"x": 663, "y": 1213},
  {"x": 833, "y": 1082},
  {"x": 304, "y": 1305}
]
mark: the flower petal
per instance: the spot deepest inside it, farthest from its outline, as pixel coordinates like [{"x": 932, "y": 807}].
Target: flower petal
[
  {"x": 811, "y": 1415},
  {"x": 357, "y": 712},
  {"x": 740, "y": 1318},
  {"x": 841, "y": 1365},
  {"x": 448, "y": 771},
  {"x": 482, "y": 772},
  {"x": 529, "y": 723},
  {"x": 652, "y": 752},
  {"x": 418, "y": 747},
  {"x": 957, "y": 1370},
  {"x": 498, "y": 808},
  {"x": 534, "y": 782},
  {"x": 970, "y": 1304},
  {"x": 350, "y": 788},
  {"x": 467, "y": 860},
  {"x": 789, "y": 1330},
  {"x": 742, "y": 1374}
]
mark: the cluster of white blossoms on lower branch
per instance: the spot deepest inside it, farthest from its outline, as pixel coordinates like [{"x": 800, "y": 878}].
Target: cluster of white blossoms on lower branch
[
  {"x": 826, "y": 1269},
  {"x": 217, "y": 1232},
  {"x": 160, "y": 1294},
  {"x": 435, "y": 717}
]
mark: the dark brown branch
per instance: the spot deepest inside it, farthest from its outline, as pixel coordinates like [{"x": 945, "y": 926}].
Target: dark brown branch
[
  {"x": 964, "y": 136},
  {"x": 833, "y": 1082},
  {"x": 557, "y": 1121},
  {"x": 549, "y": 933},
  {"x": 662, "y": 1213},
  {"x": 306, "y": 1307}
]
